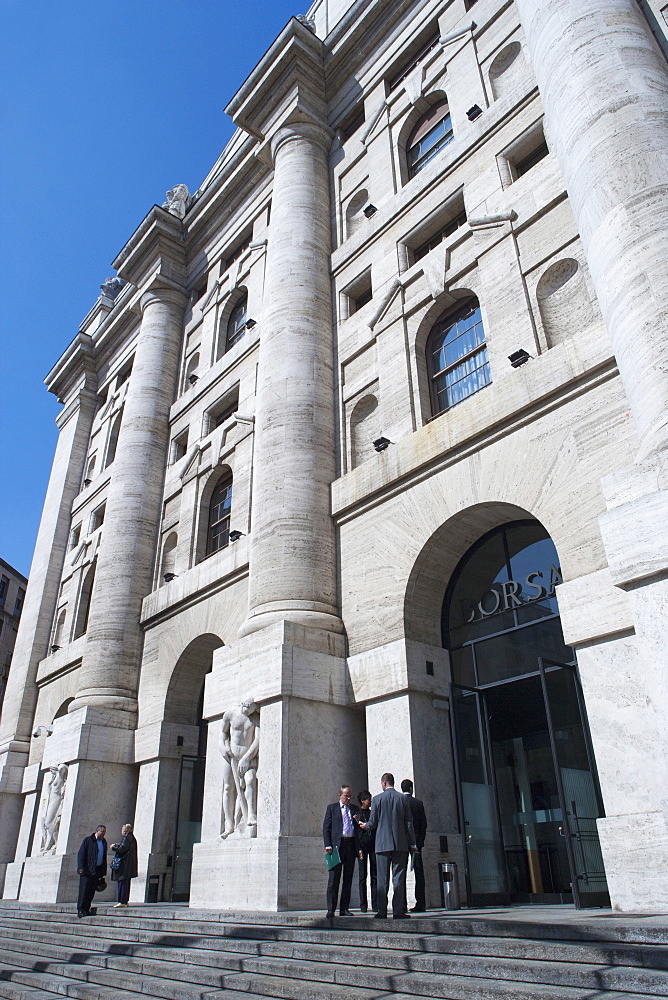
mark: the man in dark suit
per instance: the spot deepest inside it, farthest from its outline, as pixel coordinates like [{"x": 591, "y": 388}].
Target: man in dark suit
[
  {"x": 91, "y": 866},
  {"x": 341, "y": 830},
  {"x": 391, "y": 819},
  {"x": 420, "y": 827}
]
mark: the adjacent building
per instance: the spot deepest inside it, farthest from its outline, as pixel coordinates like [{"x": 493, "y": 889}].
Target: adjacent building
[
  {"x": 12, "y": 595},
  {"x": 362, "y": 466}
]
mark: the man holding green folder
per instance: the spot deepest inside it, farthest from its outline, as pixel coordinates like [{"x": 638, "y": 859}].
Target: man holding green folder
[{"x": 340, "y": 833}]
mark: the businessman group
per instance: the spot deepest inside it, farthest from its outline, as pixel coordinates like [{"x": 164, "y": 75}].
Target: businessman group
[{"x": 400, "y": 824}]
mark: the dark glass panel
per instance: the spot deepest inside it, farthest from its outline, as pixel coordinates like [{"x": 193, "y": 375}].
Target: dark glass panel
[
  {"x": 517, "y": 652},
  {"x": 476, "y": 607},
  {"x": 462, "y": 667}
]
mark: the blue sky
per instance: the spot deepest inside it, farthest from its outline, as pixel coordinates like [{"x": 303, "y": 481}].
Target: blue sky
[{"x": 103, "y": 107}]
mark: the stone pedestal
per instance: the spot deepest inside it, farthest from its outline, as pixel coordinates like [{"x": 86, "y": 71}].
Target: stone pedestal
[{"x": 311, "y": 742}]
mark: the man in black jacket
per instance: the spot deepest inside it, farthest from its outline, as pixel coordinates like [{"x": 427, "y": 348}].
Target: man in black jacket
[
  {"x": 420, "y": 827},
  {"x": 91, "y": 866},
  {"x": 340, "y": 829}
]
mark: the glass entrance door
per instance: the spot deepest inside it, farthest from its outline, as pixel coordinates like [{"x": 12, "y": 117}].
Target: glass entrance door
[{"x": 528, "y": 792}]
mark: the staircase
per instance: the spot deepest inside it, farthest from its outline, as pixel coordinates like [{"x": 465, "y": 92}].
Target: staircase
[{"x": 550, "y": 953}]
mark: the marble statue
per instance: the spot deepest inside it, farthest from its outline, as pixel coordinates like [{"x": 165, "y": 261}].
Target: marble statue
[
  {"x": 53, "y": 809},
  {"x": 178, "y": 200},
  {"x": 111, "y": 287},
  {"x": 239, "y": 743}
]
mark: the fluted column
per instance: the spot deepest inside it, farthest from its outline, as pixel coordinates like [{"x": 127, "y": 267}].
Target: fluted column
[
  {"x": 109, "y": 674},
  {"x": 292, "y": 562},
  {"x": 604, "y": 86}
]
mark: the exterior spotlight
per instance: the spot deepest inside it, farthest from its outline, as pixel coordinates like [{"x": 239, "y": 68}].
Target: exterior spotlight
[
  {"x": 168, "y": 577},
  {"x": 370, "y": 210},
  {"x": 518, "y": 358},
  {"x": 235, "y": 535},
  {"x": 250, "y": 323},
  {"x": 87, "y": 482},
  {"x": 54, "y": 648},
  {"x": 193, "y": 378},
  {"x": 474, "y": 112},
  {"x": 42, "y": 729},
  {"x": 381, "y": 443}
]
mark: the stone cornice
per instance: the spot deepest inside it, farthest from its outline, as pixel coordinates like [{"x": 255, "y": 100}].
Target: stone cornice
[
  {"x": 75, "y": 363},
  {"x": 155, "y": 247},
  {"x": 287, "y": 82}
]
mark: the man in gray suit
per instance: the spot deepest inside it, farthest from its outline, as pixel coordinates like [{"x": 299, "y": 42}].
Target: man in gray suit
[{"x": 392, "y": 820}]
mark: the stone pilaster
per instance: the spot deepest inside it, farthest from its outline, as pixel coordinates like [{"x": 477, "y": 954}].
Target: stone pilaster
[
  {"x": 109, "y": 675},
  {"x": 292, "y": 563}
]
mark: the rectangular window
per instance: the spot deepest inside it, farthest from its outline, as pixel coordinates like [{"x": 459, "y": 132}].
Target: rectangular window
[
  {"x": 125, "y": 373},
  {"x": 18, "y": 603},
  {"x": 425, "y": 48},
  {"x": 97, "y": 517},
  {"x": 237, "y": 250},
  {"x": 4, "y": 585},
  {"x": 523, "y": 154},
  {"x": 529, "y": 161},
  {"x": 179, "y": 446},
  {"x": 75, "y": 535},
  {"x": 352, "y": 122},
  {"x": 359, "y": 292},
  {"x": 448, "y": 229},
  {"x": 223, "y": 411}
]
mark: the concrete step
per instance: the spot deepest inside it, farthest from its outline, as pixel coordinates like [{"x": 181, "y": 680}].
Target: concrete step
[
  {"x": 268, "y": 941},
  {"x": 420, "y": 975},
  {"x": 314, "y": 961}
]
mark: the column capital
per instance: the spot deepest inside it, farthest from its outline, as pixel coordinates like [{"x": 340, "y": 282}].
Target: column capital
[
  {"x": 161, "y": 290},
  {"x": 290, "y": 131}
]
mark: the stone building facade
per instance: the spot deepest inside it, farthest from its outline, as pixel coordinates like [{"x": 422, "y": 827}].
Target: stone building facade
[
  {"x": 362, "y": 467},
  {"x": 12, "y": 595}
]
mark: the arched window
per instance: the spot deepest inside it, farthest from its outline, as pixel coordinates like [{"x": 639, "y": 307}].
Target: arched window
[
  {"x": 431, "y": 134},
  {"x": 236, "y": 324},
  {"x": 64, "y": 709},
  {"x": 457, "y": 356},
  {"x": 191, "y": 370},
  {"x": 169, "y": 554},
  {"x": 355, "y": 212},
  {"x": 113, "y": 439},
  {"x": 59, "y": 630},
  {"x": 364, "y": 428},
  {"x": 84, "y": 602},
  {"x": 219, "y": 515},
  {"x": 90, "y": 468}
]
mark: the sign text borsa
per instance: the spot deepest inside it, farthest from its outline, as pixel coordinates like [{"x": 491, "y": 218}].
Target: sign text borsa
[{"x": 513, "y": 594}]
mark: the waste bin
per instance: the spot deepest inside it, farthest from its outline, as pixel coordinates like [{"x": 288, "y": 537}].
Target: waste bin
[
  {"x": 152, "y": 889},
  {"x": 449, "y": 885}
]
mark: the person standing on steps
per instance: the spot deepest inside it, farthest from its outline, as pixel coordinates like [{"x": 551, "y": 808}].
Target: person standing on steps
[
  {"x": 420, "y": 827},
  {"x": 395, "y": 838},
  {"x": 124, "y": 865},
  {"x": 91, "y": 866},
  {"x": 341, "y": 830},
  {"x": 368, "y": 847}
]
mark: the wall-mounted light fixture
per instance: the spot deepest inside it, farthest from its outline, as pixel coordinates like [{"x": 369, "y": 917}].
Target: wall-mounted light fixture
[
  {"x": 54, "y": 648},
  {"x": 193, "y": 378},
  {"x": 370, "y": 210},
  {"x": 87, "y": 482},
  {"x": 250, "y": 323},
  {"x": 518, "y": 358},
  {"x": 168, "y": 577},
  {"x": 47, "y": 730},
  {"x": 235, "y": 535},
  {"x": 474, "y": 112},
  {"x": 381, "y": 443}
]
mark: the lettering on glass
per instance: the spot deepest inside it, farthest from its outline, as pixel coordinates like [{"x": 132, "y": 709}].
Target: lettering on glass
[{"x": 513, "y": 594}]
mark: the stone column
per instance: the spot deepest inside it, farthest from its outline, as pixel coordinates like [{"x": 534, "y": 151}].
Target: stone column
[
  {"x": 109, "y": 675},
  {"x": 74, "y": 425},
  {"x": 292, "y": 562},
  {"x": 604, "y": 86}
]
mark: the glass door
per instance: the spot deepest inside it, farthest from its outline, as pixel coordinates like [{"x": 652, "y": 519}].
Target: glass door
[
  {"x": 188, "y": 825},
  {"x": 578, "y": 784},
  {"x": 485, "y": 868}
]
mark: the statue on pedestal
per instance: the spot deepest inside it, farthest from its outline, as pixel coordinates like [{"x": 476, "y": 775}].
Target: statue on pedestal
[
  {"x": 239, "y": 744},
  {"x": 178, "y": 200},
  {"x": 53, "y": 809}
]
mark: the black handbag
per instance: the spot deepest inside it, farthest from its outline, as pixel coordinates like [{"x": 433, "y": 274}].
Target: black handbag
[
  {"x": 116, "y": 864},
  {"x": 101, "y": 885}
]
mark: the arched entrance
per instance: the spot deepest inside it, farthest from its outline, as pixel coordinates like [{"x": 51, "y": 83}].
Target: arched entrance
[
  {"x": 184, "y": 706},
  {"x": 526, "y": 776}
]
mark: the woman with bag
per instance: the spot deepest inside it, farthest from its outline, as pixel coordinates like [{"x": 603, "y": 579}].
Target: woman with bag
[{"x": 124, "y": 865}]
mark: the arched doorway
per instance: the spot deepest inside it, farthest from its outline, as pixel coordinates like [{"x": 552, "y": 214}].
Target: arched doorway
[
  {"x": 184, "y": 706},
  {"x": 526, "y": 777}
]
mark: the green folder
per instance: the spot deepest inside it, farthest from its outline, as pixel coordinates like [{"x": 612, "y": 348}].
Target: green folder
[{"x": 333, "y": 859}]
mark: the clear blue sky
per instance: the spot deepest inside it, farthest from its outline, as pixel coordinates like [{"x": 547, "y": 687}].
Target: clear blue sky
[{"x": 103, "y": 107}]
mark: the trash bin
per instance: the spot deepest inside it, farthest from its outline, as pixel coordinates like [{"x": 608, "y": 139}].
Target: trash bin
[
  {"x": 449, "y": 885},
  {"x": 152, "y": 889}
]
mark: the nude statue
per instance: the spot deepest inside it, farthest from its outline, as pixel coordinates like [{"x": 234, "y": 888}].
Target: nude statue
[
  {"x": 239, "y": 743},
  {"x": 53, "y": 809}
]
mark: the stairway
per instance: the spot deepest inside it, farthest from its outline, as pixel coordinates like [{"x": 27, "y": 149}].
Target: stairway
[{"x": 172, "y": 952}]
